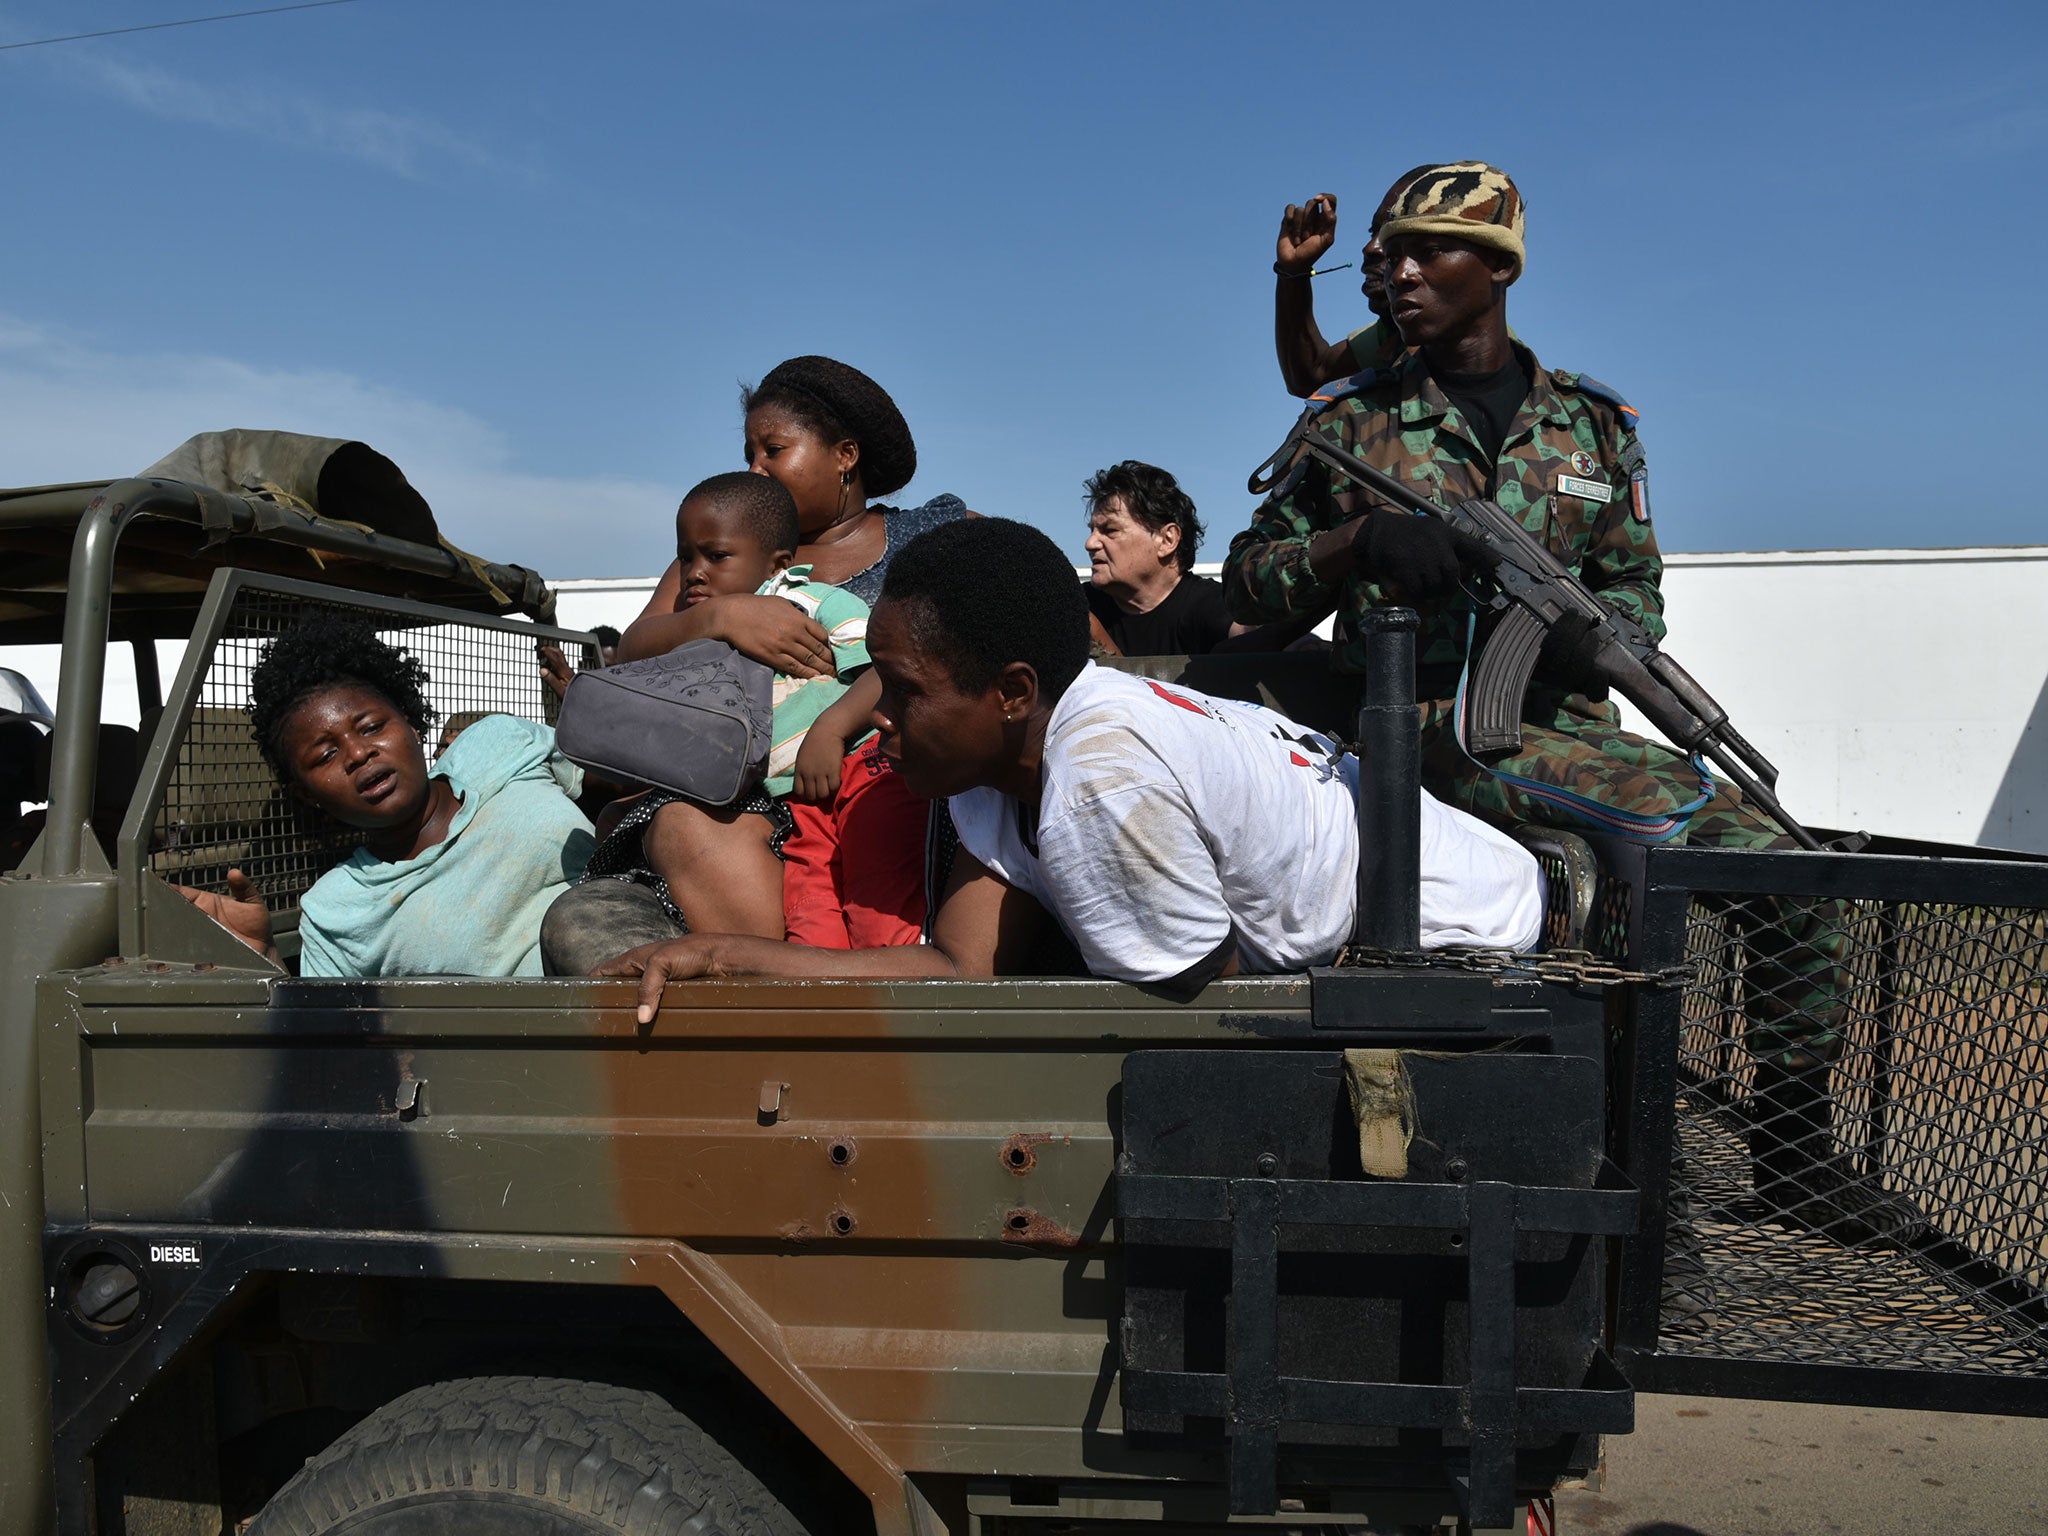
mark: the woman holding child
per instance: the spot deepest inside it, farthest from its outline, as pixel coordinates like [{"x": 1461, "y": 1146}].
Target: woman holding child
[
  {"x": 831, "y": 851},
  {"x": 832, "y": 437},
  {"x": 718, "y": 868}
]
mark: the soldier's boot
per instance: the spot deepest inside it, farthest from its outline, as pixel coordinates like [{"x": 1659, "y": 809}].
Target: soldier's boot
[{"x": 1796, "y": 1168}]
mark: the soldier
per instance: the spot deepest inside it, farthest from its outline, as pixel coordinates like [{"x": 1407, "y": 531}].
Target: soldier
[{"x": 1468, "y": 413}]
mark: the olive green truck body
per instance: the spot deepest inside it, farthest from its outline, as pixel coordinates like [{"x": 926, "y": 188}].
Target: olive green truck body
[{"x": 1022, "y": 1256}]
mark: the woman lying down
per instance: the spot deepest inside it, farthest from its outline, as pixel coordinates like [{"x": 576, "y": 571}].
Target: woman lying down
[{"x": 459, "y": 861}]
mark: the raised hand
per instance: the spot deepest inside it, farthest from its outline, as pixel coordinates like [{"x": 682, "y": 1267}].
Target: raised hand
[{"x": 1306, "y": 232}]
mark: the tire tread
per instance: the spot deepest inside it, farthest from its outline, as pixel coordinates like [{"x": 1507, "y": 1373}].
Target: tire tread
[{"x": 620, "y": 1458}]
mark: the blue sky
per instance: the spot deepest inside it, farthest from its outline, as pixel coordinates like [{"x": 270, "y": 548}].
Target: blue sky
[{"x": 531, "y": 250}]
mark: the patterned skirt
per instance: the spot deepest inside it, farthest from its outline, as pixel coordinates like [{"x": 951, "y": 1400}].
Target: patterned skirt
[{"x": 621, "y": 855}]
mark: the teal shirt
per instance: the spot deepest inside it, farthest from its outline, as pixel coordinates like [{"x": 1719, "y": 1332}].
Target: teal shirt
[
  {"x": 470, "y": 905},
  {"x": 800, "y": 700}
]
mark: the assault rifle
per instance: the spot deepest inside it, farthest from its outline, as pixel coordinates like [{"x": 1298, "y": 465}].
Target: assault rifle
[{"x": 1533, "y": 592}]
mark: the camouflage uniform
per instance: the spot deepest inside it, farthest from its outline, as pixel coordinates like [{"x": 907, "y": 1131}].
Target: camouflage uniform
[
  {"x": 1376, "y": 346},
  {"x": 1569, "y": 427}
]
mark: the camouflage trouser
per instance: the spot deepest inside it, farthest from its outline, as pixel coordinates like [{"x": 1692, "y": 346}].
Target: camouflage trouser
[{"x": 1795, "y": 979}]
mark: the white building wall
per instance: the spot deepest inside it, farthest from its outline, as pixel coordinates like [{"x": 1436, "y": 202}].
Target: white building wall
[
  {"x": 616, "y": 601},
  {"x": 1899, "y": 691}
]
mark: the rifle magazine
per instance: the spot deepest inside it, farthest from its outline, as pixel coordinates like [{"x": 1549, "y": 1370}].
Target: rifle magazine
[{"x": 1491, "y": 722}]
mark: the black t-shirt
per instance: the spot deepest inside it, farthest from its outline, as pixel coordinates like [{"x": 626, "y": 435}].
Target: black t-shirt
[
  {"x": 1191, "y": 621},
  {"x": 1489, "y": 401}
]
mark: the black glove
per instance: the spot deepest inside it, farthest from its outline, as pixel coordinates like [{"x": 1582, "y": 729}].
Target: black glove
[
  {"x": 1569, "y": 656},
  {"x": 1416, "y": 557}
]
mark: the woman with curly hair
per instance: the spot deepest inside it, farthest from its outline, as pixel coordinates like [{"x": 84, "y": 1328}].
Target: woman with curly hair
[{"x": 459, "y": 860}]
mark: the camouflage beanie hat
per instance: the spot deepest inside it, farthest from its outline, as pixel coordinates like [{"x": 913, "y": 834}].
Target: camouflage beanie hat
[{"x": 1468, "y": 200}]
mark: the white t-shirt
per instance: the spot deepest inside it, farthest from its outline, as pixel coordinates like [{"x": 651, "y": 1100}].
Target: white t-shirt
[{"x": 1171, "y": 822}]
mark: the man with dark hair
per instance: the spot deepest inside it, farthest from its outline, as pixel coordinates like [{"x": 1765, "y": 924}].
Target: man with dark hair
[
  {"x": 607, "y": 644},
  {"x": 1143, "y": 532},
  {"x": 1176, "y": 838}
]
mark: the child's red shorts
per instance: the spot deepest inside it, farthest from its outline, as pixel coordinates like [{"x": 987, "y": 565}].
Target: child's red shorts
[{"x": 853, "y": 874}]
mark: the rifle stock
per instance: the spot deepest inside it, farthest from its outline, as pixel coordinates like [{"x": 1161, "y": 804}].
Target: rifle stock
[{"x": 1534, "y": 591}]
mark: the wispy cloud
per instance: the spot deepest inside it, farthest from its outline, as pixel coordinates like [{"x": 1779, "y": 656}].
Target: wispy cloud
[
  {"x": 79, "y": 412},
  {"x": 404, "y": 143}
]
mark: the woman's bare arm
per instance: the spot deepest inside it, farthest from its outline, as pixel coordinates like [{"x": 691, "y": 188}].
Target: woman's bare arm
[
  {"x": 768, "y": 629},
  {"x": 983, "y": 928}
]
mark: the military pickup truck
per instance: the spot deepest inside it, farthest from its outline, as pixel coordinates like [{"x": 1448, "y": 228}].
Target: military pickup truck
[{"x": 1385, "y": 1247}]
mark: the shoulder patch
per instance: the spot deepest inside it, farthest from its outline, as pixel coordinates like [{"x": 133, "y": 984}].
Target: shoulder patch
[
  {"x": 1606, "y": 394},
  {"x": 1343, "y": 389}
]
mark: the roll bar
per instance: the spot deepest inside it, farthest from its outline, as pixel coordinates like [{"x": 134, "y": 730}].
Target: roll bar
[{"x": 89, "y": 604}]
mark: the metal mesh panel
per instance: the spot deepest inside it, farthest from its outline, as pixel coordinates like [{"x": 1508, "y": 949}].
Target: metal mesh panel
[
  {"x": 1609, "y": 934},
  {"x": 221, "y": 805},
  {"x": 1557, "y": 898},
  {"x": 1902, "y": 1049}
]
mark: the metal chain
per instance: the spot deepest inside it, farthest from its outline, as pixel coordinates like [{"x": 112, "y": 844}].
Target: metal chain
[{"x": 1578, "y": 966}]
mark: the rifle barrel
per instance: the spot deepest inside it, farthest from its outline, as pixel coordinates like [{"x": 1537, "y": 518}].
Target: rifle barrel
[{"x": 1758, "y": 795}]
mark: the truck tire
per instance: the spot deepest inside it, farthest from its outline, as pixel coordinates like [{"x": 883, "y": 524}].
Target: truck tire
[{"x": 525, "y": 1456}]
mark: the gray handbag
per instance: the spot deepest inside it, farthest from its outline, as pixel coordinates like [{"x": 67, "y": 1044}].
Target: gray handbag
[{"x": 697, "y": 721}]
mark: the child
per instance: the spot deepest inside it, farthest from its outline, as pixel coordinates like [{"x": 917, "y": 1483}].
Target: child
[{"x": 720, "y": 870}]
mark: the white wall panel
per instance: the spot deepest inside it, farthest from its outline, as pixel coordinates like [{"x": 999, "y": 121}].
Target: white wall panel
[{"x": 1897, "y": 690}]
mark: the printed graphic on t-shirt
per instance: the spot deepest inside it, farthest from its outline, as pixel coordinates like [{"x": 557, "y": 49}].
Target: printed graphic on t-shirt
[{"x": 1278, "y": 726}]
